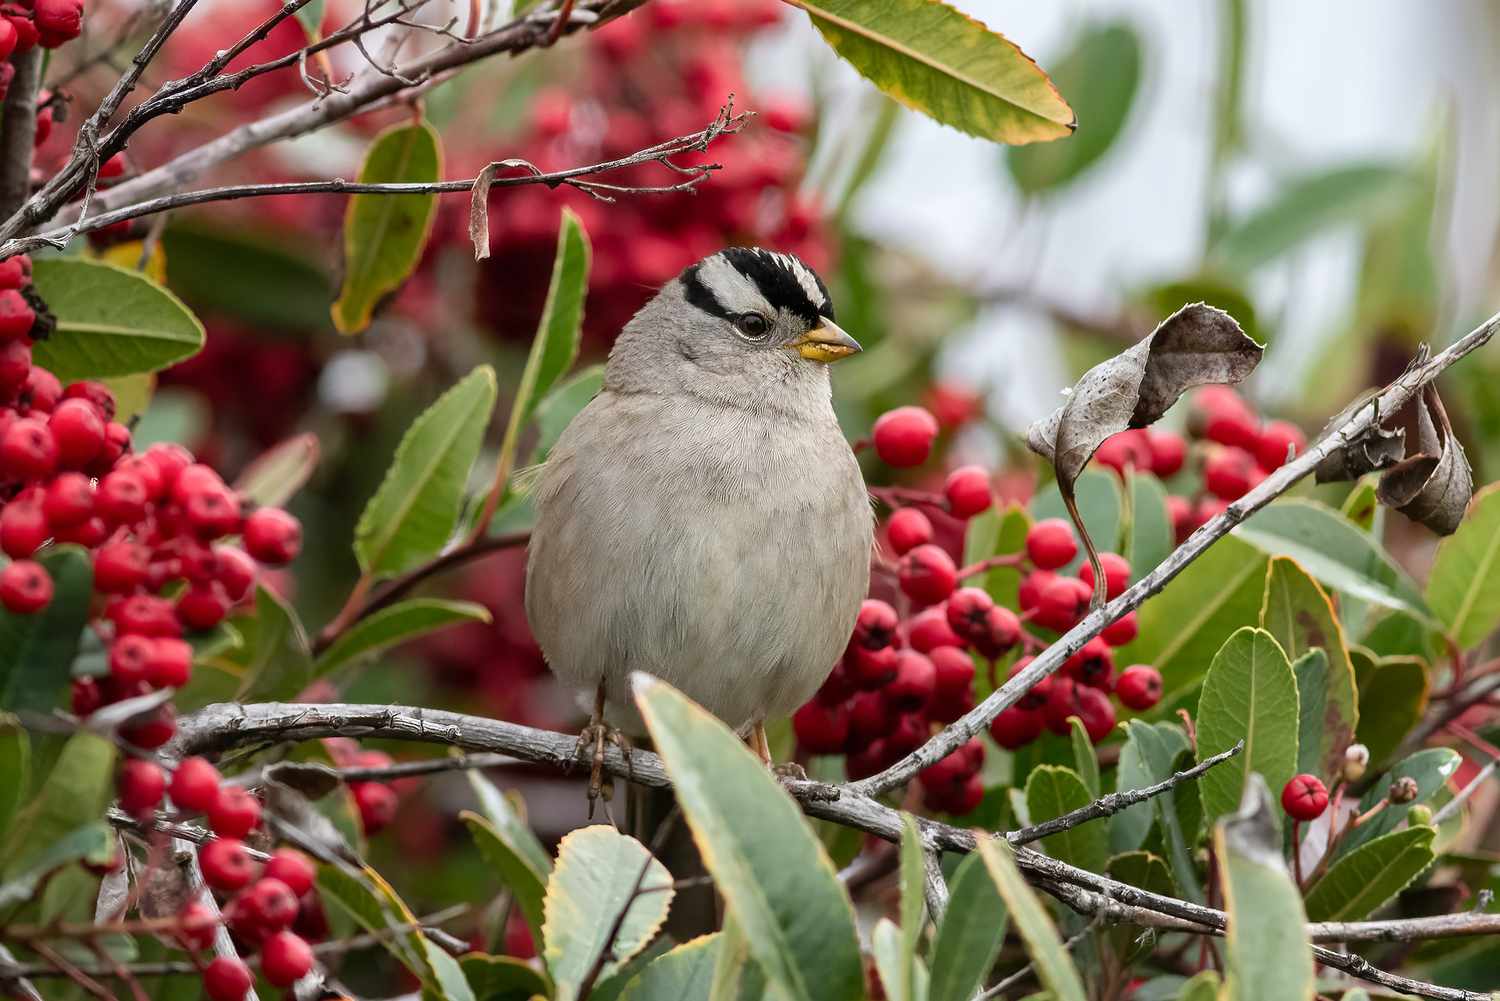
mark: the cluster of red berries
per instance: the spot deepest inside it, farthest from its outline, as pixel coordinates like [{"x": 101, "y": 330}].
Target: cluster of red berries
[
  {"x": 1235, "y": 451},
  {"x": 25, "y": 24}
]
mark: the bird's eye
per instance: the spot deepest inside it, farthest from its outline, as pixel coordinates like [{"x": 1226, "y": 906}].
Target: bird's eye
[{"x": 752, "y": 325}]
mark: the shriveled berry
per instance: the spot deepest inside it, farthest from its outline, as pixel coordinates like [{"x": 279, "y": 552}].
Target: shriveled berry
[
  {"x": 227, "y": 864},
  {"x": 272, "y": 536},
  {"x": 377, "y": 805},
  {"x": 293, "y": 868},
  {"x": 195, "y": 785},
  {"x": 876, "y": 624},
  {"x": 1016, "y": 727},
  {"x": 79, "y": 430},
  {"x": 1116, "y": 574},
  {"x": 821, "y": 729},
  {"x": 227, "y": 979},
  {"x": 927, "y": 574},
  {"x": 907, "y": 529},
  {"x": 930, "y": 629},
  {"x": 234, "y": 812},
  {"x": 1121, "y": 631},
  {"x": 1304, "y": 797},
  {"x": 904, "y": 436},
  {"x": 967, "y": 491},
  {"x": 1050, "y": 544},
  {"x": 1277, "y": 440},
  {"x": 915, "y": 681},
  {"x": 141, "y": 785},
  {"x": 1139, "y": 687},
  {"x": 25, "y": 587}
]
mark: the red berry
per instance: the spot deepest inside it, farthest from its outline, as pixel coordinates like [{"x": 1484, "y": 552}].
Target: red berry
[
  {"x": 837, "y": 687},
  {"x": 171, "y": 664},
  {"x": 1061, "y": 703},
  {"x": 904, "y": 436},
  {"x": 227, "y": 979},
  {"x": 948, "y": 771},
  {"x": 1096, "y": 712},
  {"x": 953, "y": 672},
  {"x": 58, "y": 21},
  {"x": 866, "y": 761},
  {"x": 1231, "y": 428},
  {"x": 151, "y": 730},
  {"x": 116, "y": 444},
  {"x": 23, "y": 528},
  {"x": 915, "y": 681},
  {"x": 876, "y": 625},
  {"x": 203, "y": 606},
  {"x": 130, "y": 658},
  {"x": 870, "y": 669},
  {"x": 1277, "y": 440},
  {"x": 120, "y": 567},
  {"x": 26, "y": 38},
  {"x": 144, "y": 615},
  {"x": 270, "y": 904},
  {"x": 79, "y": 430},
  {"x": 377, "y": 805},
  {"x": 16, "y": 315},
  {"x": 821, "y": 729},
  {"x": 1062, "y": 603},
  {"x": 84, "y": 697},
  {"x": 170, "y": 460},
  {"x": 1016, "y": 727},
  {"x": 1304, "y": 797},
  {"x": 293, "y": 868},
  {"x": 967, "y": 491},
  {"x": 69, "y": 500},
  {"x": 907, "y": 529},
  {"x": 909, "y": 732},
  {"x": 1121, "y": 631},
  {"x": 1139, "y": 687},
  {"x": 14, "y": 271},
  {"x": 97, "y": 393},
  {"x": 42, "y": 390},
  {"x": 1030, "y": 591},
  {"x": 112, "y": 168},
  {"x": 1126, "y": 450},
  {"x": 1034, "y": 697},
  {"x": 122, "y": 498},
  {"x": 234, "y": 813},
  {"x": 1229, "y": 473},
  {"x": 1180, "y": 510},
  {"x": 1116, "y": 574},
  {"x": 869, "y": 718},
  {"x": 929, "y": 629},
  {"x": 927, "y": 574},
  {"x": 15, "y": 366},
  {"x": 968, "y": 612},
  {"x": 25, "y": 587},
  {"x": 234, "y": 570},
  {"x": 195, "y": 785},
  {"x": 272, "y": 536},
  {"x": 213, "y": 513},
  {"x": 195, "y": 925},
  {"x": 1093, "y": 665},
  {"x": 1050, "y": 544},
  {"x": 967, "y": 797},
  {"x": 28, "y": 451},
  {"x": 141, "y": 785},
  {"x": 285, "y": 959},
  {"x": 1168, "y": 452},
  {"x": 226, "y": 864},
  {"x": 1002, "y": 631}
]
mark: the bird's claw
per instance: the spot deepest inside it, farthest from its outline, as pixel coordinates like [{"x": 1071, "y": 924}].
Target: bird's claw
[
  {"x": 591, "y": 743},
  {"x": 789, "y": 771}
]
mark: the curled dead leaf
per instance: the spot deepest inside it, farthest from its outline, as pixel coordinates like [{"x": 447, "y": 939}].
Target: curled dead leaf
[
  {"x": 1435, "y": 485},
  {"x": 479, "y": 203},
  {"x": 1374, "y": 449}
]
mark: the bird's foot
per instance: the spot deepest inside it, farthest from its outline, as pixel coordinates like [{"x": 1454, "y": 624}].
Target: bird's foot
[
  {"x": 789, "y": 771},
  {"x": 591, "y": 744}
]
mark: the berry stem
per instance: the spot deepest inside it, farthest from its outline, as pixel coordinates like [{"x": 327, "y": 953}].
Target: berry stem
[
  {"x": 894, "y": 497},
  {"x": 1297, "y": 852},
  {"x": 985, "y": 565}
]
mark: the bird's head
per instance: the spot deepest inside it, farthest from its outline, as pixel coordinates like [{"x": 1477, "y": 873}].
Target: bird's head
[{"x": 747, "y": 326}]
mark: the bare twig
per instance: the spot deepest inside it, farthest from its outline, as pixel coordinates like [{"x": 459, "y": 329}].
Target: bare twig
[{"x": 18, "y": 130}]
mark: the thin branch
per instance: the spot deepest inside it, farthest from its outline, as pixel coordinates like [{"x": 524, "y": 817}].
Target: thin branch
[
  {"x": 1115, "y": 802},
  {"x": 18, "y": 129},
  {"x": 1388, "y": 401},
  {"x": 1015, "y": 978}
]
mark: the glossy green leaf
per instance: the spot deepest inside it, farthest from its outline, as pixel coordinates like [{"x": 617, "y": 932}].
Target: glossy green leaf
[
  {"x": 1054, "y": 967},
  {"x": 226, "y": 271},
  {"x": 506, "y": 813},
  {"x": 110, "y": 321},
  {"x": 1268, "y": 952},
  {"x": 36, "y": 650},
  {"x": 1391, "y": 703},
  {"x": 527, "y": 884},
  {"x": 1431, "y": 768},
  {"x": 93, "y": 842},
  {"x": 970, "y": 935},
  {"x": 997, "y": 533},
  {"x": 1145, "y": 759},
  {"x": 1311, "y": 671},
  {"x": 75, "y": 792},
  {"x": 275, "y": 476},
  {"x": 774, "y": 875},
  {"x": 396, "y": 624},
  {"x": 384, "y": 234},
  {"x": 1052, "y": 791},
  {"x": 415, "y": 510},
  {"x": 939, "y": 61},
  {"x": 1100, "y": 74},
  {"x": 1201, "y": 987},
  {"x": 555, "y": 411},
  {"x": 1250, "y": 694},
  {"x": 1085, "y": 760},
  {"x": 1149, "y": 538},
  {"x": 1100, "y": 504},
  {"x": 274, "y": 661},
  {"x": 595, "y": 880},
  {"x": 1309, "y": 206},
  {"x": 1464, "y": 586},
  {"x": 685, "y": 972},
  {"x": 913, "y": 907},
  {"x": 503, "y": 978},
  {"x": 1184, "y": 626},
  {"x": 1333, "y": 551},
  {"x": 1300, "y": 615},
  {"x": 15, "y": 771},
  {"x": 1362, "y": 880}
]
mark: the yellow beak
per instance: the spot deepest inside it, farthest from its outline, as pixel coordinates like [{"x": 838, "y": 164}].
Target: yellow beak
[{"x": 825, "y": 343}]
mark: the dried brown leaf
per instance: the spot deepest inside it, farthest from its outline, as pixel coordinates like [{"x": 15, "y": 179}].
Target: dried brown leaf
[
  {"x": 293, "y": 818},
  {"x": 311, "y": 778},
  {"x": 1435, "y": 485},
  {"x": 1375, "y": 448},
  {"x": 479, "y": 203}
]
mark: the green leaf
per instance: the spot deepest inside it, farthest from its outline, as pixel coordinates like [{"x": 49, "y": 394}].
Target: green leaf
[
  {"x": 1431, "y": 768},
  {"x": 1333, "y": 551},
  {"x": 1202, "y": 987},
  {"x": 1054, "y": 967},
  {"x": 970, "y": 935},
  {"x": 913, "y": 906},
  {"x": 1150, "y": 538},
  {"x": 1100, "y": 504},
  {"x": 384, "y": 234},
  {"x": 36, "y": 650},
  {"x": 1310, "y": 206},
  {"x": 1052, "y": 791},
  {"x": 15, "y": 771},
  {"x": 1299, "y": 614},
  {"x": 1142, "y": 869},
  {"x": 274, "y": 661},
  {"x": 1100, "y": 75},
  {"x": 276, "y": 475},
  {"x": 1145, "y": 759},
  {"x": 774, "y": 875},
  {"x": 1362, "y": 880},
  {"x": 1464, "y": 586},
  {"x": 94, "y": 841},
  {"x": 1084, "y": 758},
  {"x": 686, "y": 972},
  {"x": 510, "y": 857},
  {"x": 397, "y": 624},
  {"x": 75, "y": 792},
  {"x": 1311, "y": 672},
  {"x": 110, "y": 321},
  {"x": 413, "y": 513},
  {"x": 1269, "y": 955},
  {"x": 503, "y": 978},
  {"x": 564, "y": 402},
  {"x": 997, "y": 533},
  {"x": 226, "y": 271},
  {"x": 596, "y": 879},
  {"x": 937, "y": 60},
  {"x": 1391, "y": 702},
  {"x": 1362, "y": 506},
  {"x": 1250, "y": 694},
  {"x": 1183, "y": 626},
  {"x": 310, "y": 16},
  {"x": 506, "y": 812},
  {"x": 893, "y": 964}
]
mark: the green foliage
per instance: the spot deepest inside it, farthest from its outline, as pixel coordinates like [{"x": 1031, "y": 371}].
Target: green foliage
[
  {"x": 384, "y": 234},
  {"x": 774, "y": 875},
  {"x": 1100, "y": 74},
  {"x": 1085, "y": 761},
  {"x": 998, "y": 533},
  {"x": 913, "y": 907},
  {"x": 1430, "y": 768},
  {"x": 902, "y": 975},
  {"x": 1100, "y": 504},
  {"x": 228, "y": 271},
  {"x": 939, "y": 61},
  {"x": 503, "y": 978},
  {"x": 110, "y": 321},
  {"x": 414, "y": 512},
  {"x": 276, "y": 475},
  {"x": 36, "y": 649},
  {"x": 93, "y": 842},
  {"x": 1250, "y": 694},
  {"x": 74, "y": 794},
  {"x": 686, "y": 972},
  {"x": 1052, "y": 791},
  {"x": 1201, "y": 987},
  {"x": 275, "y": 661},
  {"x": 1391, "y": 701},
  {"x": 15, "y": 771},
  {"x": 595, "y": 881},
  {"x": 1362, "y": 880},
  {"x": 1145, "y": 759},
  {"x": 1464, "y": 586},
  {"x": 970, "y": 935},
  {"x": 396, "y": 624},
  {"x": 504, "y": 851},
  {"x": 1054, "y": 966},
  {"x": 1148, "y": 534},
  {"x": 558, "y": 408},
  {"x": 1311, "y": 672}
]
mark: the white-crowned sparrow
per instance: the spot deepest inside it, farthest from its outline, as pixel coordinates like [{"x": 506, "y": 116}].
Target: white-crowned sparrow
[{"x": 703, "y": 519}]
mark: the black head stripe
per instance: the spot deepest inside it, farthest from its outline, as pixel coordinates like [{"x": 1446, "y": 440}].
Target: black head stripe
[
  {"x": 700, "y": 295},
  {"x": 778, "y": 282}
]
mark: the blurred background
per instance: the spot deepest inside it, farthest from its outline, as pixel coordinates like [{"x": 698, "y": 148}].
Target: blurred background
[{"x": 1325, "y": 172}]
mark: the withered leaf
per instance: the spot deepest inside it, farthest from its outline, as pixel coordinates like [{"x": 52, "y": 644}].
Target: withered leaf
[
  {"x": 479, "y": 203},
  {"x": 1435, "y": 485},
  {"x": 1195, "y": 346},
  {"x": 292, "y": 817},
  {"x": 1375, "y": 448},
  {"x": 311, "y": 778}
]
